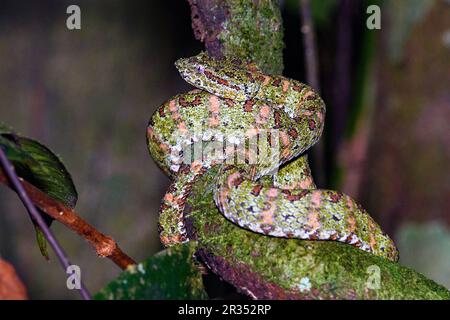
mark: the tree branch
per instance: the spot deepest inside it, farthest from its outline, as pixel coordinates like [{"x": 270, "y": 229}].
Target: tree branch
[
  {"x": 277, "y": 268},
  {"x": 104, "y": 245},
  {"x": 14, "y": 182},
  {"x": 249, "y": 30},
  {"x": 309, "y": 45},
  {"x": 312, "y": 78}
]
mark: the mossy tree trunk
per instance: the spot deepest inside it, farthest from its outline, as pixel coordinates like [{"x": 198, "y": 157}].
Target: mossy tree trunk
[{"x": 275, "y": 268}]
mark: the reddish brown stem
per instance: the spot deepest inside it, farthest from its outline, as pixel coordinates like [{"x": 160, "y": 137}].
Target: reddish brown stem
[{"x": 104, "y": 245}]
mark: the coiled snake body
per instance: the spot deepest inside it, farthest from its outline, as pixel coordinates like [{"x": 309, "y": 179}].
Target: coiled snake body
[{"x": 251, "y": 124}]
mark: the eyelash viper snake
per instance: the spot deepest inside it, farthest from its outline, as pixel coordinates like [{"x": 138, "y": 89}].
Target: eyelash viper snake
[{"x": 251, "y": 124}]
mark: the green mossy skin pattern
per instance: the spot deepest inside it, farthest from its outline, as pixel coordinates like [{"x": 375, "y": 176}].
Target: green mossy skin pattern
[
  {"x": 238, "y": 103},
  {"x": 277, "y": 268}
]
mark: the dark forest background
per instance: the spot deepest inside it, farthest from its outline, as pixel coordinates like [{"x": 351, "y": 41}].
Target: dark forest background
[{"x": 88, "y": 95}]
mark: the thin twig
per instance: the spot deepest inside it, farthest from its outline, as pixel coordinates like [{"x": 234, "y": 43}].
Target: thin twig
[
  {"x": 312, "y": 77},
  {"x": 342, "y": 82},
  {"x": 9, "y": 171},
  {"x": 104, "y": 245},
  {"x": 309, "y": 45}
]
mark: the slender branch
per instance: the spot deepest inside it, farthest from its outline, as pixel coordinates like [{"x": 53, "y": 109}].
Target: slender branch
[
  {"x": 104, "y": 245},
  {"x": 10, "y": 173},
  {"x": 309, "y": 45},
  {"x": 342, "y": 82},
  {"x": 312, "y": 77}
]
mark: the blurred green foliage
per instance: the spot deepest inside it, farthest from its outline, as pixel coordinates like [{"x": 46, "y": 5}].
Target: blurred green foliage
[
  {"x": 39, "y": 166},
  {"x": 170, "y": 274},
  {"x": 425, "y": 247},
  {"x": 404, "y": 16},
  {"x": 321, "y": 10}
]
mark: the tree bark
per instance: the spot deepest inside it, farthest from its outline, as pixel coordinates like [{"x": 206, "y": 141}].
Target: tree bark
[{"x": 275, "y": 268}]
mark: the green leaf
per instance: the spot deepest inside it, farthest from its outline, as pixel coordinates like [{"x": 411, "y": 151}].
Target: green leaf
[
  {"x": 170, "y": 274},
  {"x": 41, "y": 241},
  {"x": 48, "y": 172},
  {"x": 39, "y": 166}
]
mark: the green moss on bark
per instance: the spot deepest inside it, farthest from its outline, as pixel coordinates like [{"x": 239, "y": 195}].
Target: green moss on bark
[
  {"x": 288, "y": 268},
  {"x": 247, "y": 29},
  {"x": 254, "y": 30},
  {"x": 267, "y": 267}
]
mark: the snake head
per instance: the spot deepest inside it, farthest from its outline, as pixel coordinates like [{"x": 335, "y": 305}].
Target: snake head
[{"x": 226, "y": 78}]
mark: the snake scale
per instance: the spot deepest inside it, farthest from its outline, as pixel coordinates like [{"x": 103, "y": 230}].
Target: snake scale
[{"x": 251, "y": 124}]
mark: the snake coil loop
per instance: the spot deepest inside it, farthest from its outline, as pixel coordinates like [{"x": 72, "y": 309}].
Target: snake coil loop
[{"x": 252, "y": 125}]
